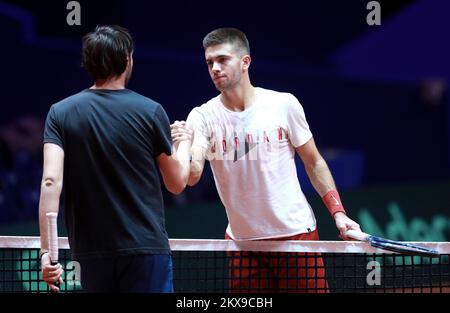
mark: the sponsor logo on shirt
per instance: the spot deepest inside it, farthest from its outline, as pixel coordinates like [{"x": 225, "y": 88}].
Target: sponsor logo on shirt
[{"x": 230, "y": 144}]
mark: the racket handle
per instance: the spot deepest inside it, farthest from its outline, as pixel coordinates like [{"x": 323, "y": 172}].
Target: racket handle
[
  {"x": 53, "y": 239},
  {"x": 358, "y": 235},
  {"x": 52, "y": 236}
]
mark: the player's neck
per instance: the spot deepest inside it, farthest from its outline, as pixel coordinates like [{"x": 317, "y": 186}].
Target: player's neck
[
  {"x": 114, "y": 83},
  {"x": 239, "y": 98}
]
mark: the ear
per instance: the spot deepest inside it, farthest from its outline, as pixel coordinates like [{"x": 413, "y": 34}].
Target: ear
[
  {"x": 246, "y": 60},
  {"x": 130, "y": 57}
]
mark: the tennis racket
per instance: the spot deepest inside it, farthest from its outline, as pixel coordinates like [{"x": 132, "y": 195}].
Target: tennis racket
[
  {"x": 392, "y": 245},
  {"x": 53, "y": 239}
]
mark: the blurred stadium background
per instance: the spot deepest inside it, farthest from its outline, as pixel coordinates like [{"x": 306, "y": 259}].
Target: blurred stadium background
[{"x": 376, "y": 99}]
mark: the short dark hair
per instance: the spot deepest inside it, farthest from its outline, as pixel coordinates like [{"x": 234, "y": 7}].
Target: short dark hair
[
  {"x": 105, "y": 51},
  {"x": 227, "y": 35}
]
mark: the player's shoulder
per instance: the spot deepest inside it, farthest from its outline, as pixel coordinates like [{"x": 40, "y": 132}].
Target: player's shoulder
[
  {"x": 69, "y": 101},
  {"x": 139, "y": 99},
  {"x": 279, "y": 97},
  {"x": 134, "y": 100},
  {"x": 138, "y": 103},
  {"x": 207, "y": 107},
  {"x": 211, "y": 104}
]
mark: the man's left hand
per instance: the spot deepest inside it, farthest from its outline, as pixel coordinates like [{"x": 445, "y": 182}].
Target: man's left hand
[{"x": 344, "y": 223}]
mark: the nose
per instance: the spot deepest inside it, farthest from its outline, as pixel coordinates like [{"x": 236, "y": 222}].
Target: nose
[{"x": 215, "y": 67}]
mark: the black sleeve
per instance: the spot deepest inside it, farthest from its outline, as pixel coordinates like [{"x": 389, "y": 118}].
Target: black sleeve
[
  {"x": 52, "y": 130},
  {"x": 162, "y": 141}
]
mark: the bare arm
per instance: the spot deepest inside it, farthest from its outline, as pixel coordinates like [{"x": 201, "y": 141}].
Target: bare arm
[
  {"x": 180, "y": 132},
  {"x": 51, "y": 187},
  {"x": 322, "y": 180},
  {"x": 197, "y": 165},
  {"x": 176, "y": 167},
  {"x": 316, "y": 168}
]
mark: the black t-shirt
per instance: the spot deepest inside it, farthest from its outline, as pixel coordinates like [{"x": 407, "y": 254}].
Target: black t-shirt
[{"x": 113, "y": 197}]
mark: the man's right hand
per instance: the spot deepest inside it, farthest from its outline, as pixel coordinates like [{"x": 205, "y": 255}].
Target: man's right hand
[
  {"x": 180, "y": 132},
  {"x": 51, "y": 273}
]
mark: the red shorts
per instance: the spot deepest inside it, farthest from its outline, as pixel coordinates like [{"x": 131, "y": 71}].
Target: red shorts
[{"x": 278, "y": 271}]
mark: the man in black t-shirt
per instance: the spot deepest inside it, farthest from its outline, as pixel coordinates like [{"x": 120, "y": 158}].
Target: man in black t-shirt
[{"x": 105, "y": 145}]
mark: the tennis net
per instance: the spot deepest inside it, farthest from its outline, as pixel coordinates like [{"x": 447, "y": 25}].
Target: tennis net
[{"x": 222, "y": 266}]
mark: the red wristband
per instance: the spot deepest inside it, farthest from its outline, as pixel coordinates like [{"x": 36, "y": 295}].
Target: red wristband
[{"x": 333, "y": 202}]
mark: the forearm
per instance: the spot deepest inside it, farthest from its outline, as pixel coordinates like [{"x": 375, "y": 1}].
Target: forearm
[
  {"x": 183, "y": 157},
  {"x": 323, "y": 182},
  {"x": 320, "y": 177},
  {"x": 175, "y": 168},
  {"x": 197, "y": 165},
  {"x": 49, "y": 202},
  {"x": 194, "y": 175}
]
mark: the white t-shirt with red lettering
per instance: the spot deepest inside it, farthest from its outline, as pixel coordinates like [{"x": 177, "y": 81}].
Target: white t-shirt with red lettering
[{"x": 252, "y": 159}]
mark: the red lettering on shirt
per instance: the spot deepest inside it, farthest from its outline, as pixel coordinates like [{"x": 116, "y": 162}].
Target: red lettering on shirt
[{"x": 266, "y": 137}]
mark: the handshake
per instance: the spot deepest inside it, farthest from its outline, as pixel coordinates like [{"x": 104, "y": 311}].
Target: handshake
[{"x": 181, "y": 132}]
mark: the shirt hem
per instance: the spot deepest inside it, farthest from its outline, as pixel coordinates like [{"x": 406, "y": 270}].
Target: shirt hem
[
  {"x": 124, "y": 252},
  {"x": 301, "y": 231},
  {"x": 54, "y": 141}
]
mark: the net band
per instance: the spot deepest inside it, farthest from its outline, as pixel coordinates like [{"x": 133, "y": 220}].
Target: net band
[
  {"x": 201, "y": 265},
  {"x": 231, "y": 245}
]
